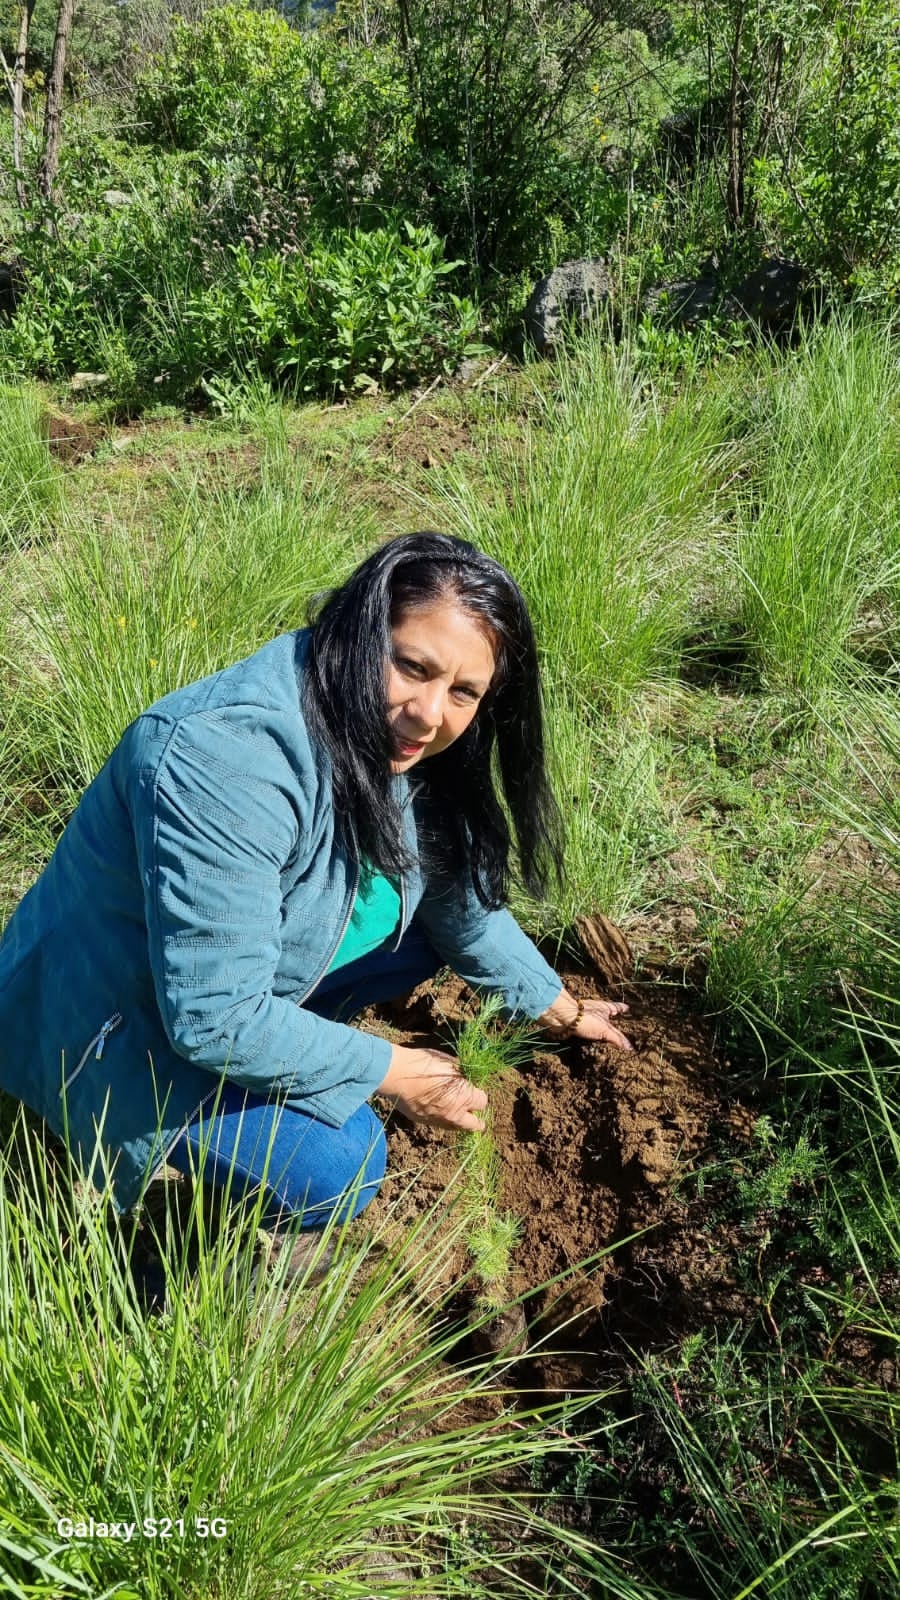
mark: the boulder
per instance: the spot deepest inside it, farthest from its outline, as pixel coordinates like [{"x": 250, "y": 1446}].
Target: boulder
[
  {"x": 84, "y": 382},
  {"x": 11, "y": 285},
  {"x": 692, "y": 135},
  {"x": 573, "y": 292},
  {"x": 615, "y": 159},
  {"x": 684, "y": 301},
  {"x": 117, "y": 198},
  {"x": 772, "y": 294}
]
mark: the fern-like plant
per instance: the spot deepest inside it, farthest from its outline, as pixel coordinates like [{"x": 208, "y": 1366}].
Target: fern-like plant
[{"x": 487, "y": 1053}]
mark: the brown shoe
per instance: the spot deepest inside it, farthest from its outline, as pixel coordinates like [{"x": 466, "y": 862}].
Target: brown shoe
[{"x": 309, "y": 1257}]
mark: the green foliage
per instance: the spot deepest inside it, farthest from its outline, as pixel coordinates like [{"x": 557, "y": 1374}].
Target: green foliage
[
  {"x": 836, "y": 199},
  {"x": 181, "y": 285},
  {"x": 606, "y": 776},
  {"x": 613, "y": 483},
  {"x": 791, "y": 1166},
  {"x": 505, "y": 154},
  {"x": 111, "y": 619},
  {"x": 104, "y": 35},
  {"x": 320, "y": 119},
  {"x": 817, "y": 551}
]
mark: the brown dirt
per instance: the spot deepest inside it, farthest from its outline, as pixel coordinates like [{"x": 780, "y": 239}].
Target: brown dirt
[
  {"x": 592, "y": 1141},
  {"x": 71, "y": 439},
  {"x": 426, "y": 439}
]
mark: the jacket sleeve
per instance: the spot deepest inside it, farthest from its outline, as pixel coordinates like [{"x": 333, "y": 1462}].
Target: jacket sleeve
[
  {"x": 217, "y": 818},
  {"x": 488, "y": 949}
]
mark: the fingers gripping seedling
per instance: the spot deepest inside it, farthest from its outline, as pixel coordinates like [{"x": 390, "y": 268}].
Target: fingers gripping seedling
[{"x": 486, "y": 1055}]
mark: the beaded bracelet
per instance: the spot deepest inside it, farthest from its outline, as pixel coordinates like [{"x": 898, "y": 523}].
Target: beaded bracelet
[{"x": 577, "y": 1017}]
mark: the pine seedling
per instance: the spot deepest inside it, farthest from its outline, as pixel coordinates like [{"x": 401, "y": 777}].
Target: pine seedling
[{"x": 487, "y": 1053}]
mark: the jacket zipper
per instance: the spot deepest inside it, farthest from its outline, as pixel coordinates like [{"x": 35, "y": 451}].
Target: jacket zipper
[{"x": 97, "y": 1044}]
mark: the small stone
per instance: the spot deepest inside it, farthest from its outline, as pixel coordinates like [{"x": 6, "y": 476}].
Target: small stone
[{"x": 80, "y": 382}]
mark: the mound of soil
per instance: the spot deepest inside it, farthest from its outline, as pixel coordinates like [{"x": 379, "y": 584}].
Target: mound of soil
[
  {"x": 591, "y": 1140},
  {"x": 70, "y": 439}
]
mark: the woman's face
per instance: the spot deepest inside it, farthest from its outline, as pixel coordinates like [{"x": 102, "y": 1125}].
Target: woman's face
[{"x": 441, "y": 667}]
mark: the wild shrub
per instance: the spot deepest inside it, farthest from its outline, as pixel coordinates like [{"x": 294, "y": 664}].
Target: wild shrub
[
  {"x": 314, "y": 116},
  {"x": 180, "y": 287},
  {"x": 832, "y": 191}
]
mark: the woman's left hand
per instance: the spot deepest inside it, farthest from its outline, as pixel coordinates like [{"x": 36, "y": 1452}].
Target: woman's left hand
[{"x": 593, "y": 1023}]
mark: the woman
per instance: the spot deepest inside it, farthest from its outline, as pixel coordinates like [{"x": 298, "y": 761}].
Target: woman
[{"x": 266, "y": 852}]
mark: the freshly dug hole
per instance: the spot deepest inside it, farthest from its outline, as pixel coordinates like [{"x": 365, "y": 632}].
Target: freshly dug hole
[{"x": 589, "y": 1138}]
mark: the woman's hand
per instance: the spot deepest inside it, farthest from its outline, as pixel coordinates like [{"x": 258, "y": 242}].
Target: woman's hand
[
  {"x": 593, "y": 1023},
  {"x": 427, "y": 1086}
]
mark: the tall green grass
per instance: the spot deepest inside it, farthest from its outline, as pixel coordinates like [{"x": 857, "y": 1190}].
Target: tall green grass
[
  {"x": 782, "y": 1438},
  {"x": 607, "y": 506},
  {"x": 321, "y": 1423},
  {"x": 110, "y": 618},
  {"x": 818, "y": 551},
  {"x": 606, "y": 777},
  {"x": 30, "y": 481},
  {"x": 785, "y": 1437}
]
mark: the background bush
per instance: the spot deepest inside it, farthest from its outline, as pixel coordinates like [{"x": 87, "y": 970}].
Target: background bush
[{"x": 280, "y": 170}]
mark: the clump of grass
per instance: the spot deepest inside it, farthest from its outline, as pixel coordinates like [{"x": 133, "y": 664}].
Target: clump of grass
[
  {"x": 605, "y": 777},
  {"x": 29, "y": 479},
  {"x": 486, "y": 1055},
  {"x": 316, "y": 1423},
  {"x": 817, "y": 548},
  {"x": 110, "y": 619},
  {"x": 606, "y": 506}
]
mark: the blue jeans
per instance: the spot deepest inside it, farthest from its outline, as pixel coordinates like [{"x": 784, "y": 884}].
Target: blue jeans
[{"x": 247, "y": 1141}]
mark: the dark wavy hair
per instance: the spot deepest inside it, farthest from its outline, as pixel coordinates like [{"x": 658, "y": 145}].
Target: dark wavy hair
[{"x": 463, "y": 825}]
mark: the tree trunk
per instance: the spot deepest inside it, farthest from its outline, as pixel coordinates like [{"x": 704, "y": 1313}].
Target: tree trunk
[
  {"x": 15, "y": 81},
  {"x": 734, "y": 193},
  {"x": 53, "y": 116}
]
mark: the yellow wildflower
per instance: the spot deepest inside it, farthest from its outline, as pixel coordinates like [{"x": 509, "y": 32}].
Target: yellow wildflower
[
  {"x": 121, "y": 621},
  {"x": 154, "y": 662}
]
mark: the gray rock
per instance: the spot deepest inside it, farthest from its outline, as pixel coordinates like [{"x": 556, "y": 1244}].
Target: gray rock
[
  {"x": 684, "y": 302},
  {"x": 615, "y": 159},
  {"x": 117, "y": 198},
  {"x": 692, "y": 135},
  {"x": 83, "y": 382},
  {"x": 11, "y": 285},
  {"x": 773, "y": 293},
  {"x": 573, "y": 292}
]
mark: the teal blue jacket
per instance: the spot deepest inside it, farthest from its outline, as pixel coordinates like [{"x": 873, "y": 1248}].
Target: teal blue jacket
[{"x": 193, "y": 903}]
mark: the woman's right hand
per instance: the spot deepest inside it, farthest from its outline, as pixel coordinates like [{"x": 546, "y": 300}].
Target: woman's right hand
[{"x": 427, "y": 1086}]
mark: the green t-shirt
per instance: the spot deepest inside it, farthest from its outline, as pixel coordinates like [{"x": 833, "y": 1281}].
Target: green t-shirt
[{"x": 375, "y": 915}]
